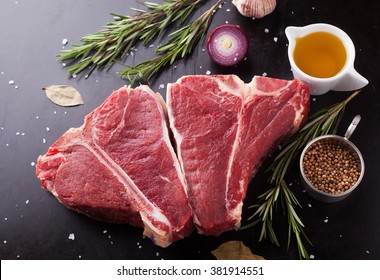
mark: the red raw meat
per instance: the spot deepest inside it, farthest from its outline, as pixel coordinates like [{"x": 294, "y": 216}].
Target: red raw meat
[
  {"x": 223, "y": 129},
  {"x": 120, "y": 167}
]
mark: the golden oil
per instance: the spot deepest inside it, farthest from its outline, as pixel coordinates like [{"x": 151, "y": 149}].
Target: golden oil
[{"x": 320, "y": 54}]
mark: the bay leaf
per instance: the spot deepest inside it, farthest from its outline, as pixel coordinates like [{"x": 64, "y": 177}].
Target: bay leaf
[
  {"x": 235, "y": 250},
  {"x": 63, "y": 95}
]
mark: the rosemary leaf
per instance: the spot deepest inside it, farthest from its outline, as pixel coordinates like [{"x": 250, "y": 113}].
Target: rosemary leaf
[
  {"x": 116, "y": 39},
  {"x": 272, "y": 234},
  {"x": 181, "y": 43}
]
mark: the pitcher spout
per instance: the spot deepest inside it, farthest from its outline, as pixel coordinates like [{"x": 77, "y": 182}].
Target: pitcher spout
[
  {"x": 352, "y": 80},
  {"x": 291, "y": 32}
]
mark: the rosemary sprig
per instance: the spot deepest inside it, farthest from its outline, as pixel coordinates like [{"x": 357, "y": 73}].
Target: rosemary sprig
[
  {"x": 321, "y": 123},
  {"x": 182, "y": 43},
  {"x": 117, "y": 38}
]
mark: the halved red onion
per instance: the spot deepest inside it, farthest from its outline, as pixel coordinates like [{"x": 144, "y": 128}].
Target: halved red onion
[{"x": 227, "y": 45}]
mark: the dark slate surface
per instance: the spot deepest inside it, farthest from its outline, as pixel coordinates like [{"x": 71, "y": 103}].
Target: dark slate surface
[{"x": 33, "y": 225}]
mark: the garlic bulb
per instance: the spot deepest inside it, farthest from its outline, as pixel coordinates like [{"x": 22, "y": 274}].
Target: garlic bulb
[{"x": 255, "y": 8}]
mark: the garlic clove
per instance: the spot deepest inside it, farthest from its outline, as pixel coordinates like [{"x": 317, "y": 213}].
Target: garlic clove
[{"x": 255, "y": 8}]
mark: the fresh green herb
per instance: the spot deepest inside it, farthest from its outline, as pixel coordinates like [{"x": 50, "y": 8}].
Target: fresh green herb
[
  {"x": 117, "y": 38},
  {"x": 182, "y": 43},
  {"x": 321, "y": 123}
]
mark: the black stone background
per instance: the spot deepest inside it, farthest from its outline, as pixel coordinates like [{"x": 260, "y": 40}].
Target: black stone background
[{"x": 33, "y": 225}]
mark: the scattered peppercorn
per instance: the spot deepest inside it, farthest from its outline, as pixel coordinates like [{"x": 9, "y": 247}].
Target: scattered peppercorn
[{"x": 331, "y": 166}]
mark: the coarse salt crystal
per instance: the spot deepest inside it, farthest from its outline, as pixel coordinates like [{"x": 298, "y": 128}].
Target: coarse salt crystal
[
  {"x": 266, "y": 30},
  {"x": 312, "y": 257},
  {"x": 71, "y": 236},
  {"x": 65, "y": 41},
  {"x": 47, "y": 129},
  {"x": 265, "y": 74},
  {"x": 11, "y": 82},
  {"x": 27, "y": 201},
  {"x": 16, "y": 87},
  {"x": 105, "y": 231},
  {"x": 44, "y": 140},
  {"x": 228, "y": 10},
  {"x": 17, "y": 133},
  {"x": 32, "y": 163},
  {"x": 5, "y": 219},
  {"x": 309, "y": 205},
  {"x": 161, "y": 86},
  {"x": 275, "y": 39},
  {"x": 208, "y": 72},
  {"x": 5, "y": 241}
]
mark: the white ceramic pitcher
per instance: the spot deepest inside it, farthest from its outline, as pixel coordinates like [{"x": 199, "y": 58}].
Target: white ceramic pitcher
[{"x": 345, "y": 80}]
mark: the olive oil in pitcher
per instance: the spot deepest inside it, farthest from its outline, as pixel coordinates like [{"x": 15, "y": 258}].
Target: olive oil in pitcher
[{"x": 320, "y": 54}]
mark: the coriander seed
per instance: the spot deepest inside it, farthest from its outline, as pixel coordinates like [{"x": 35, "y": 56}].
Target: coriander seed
[{"x": 331, "y": 166}]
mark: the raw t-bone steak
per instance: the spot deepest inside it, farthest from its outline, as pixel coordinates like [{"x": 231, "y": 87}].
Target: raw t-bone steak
[
  {"x": 223, "y": 129},
  {"x": 120, "y": 166}
]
